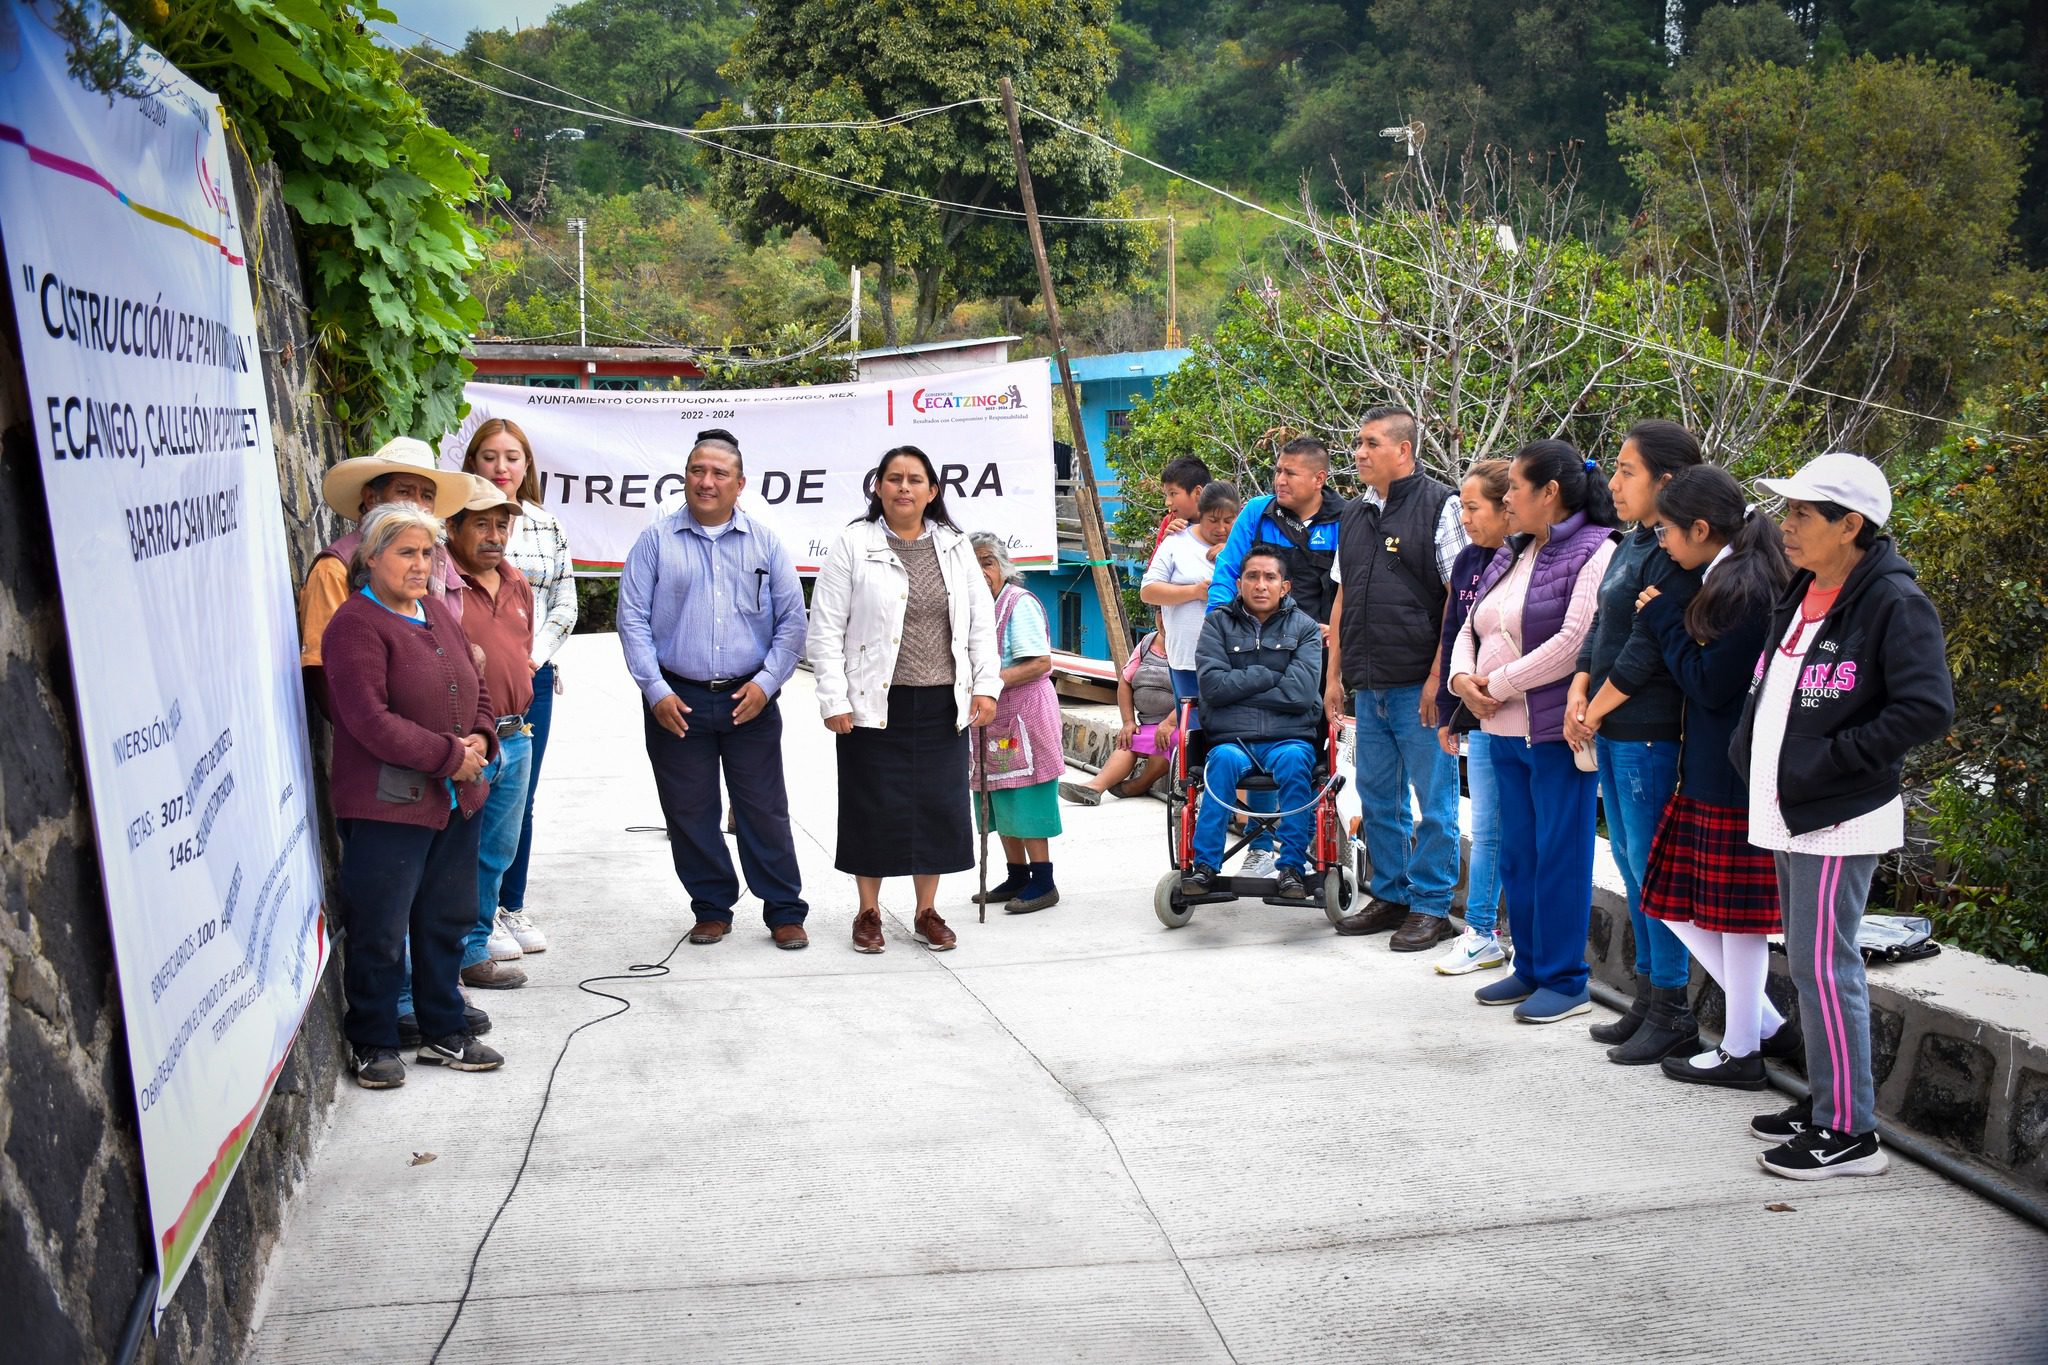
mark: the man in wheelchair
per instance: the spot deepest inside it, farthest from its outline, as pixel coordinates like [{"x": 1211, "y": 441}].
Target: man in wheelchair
[{"x": 1259, "y": 666}]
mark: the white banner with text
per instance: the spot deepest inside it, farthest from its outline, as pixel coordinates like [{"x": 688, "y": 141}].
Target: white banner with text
[
  {"x": 146, "y": 392},
  {"x": 612, "y": 462}
]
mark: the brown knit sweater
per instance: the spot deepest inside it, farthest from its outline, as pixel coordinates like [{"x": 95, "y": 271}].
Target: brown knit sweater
[
  {"x": 925, "y": 658},
  {"x": 402, "y": 695}
]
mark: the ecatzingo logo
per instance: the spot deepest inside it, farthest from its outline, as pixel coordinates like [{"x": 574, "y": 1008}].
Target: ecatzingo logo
[{"x": 939, "y": 400}]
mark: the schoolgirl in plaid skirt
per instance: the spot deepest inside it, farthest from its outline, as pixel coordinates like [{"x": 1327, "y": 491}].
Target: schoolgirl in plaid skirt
[{"x": 1718, "y": 892}]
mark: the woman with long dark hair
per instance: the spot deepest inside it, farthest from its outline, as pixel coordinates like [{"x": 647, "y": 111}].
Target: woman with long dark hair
[
  {"x": 1510, "y": 667},
  {"x": 903, "y": 643},
  {"x": 1625, "y": 707},
  {"x": 1706, "y": 882}
]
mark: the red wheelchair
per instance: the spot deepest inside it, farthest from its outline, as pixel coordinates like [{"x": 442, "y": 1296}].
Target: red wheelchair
[{"x": 1329, "y": 862}]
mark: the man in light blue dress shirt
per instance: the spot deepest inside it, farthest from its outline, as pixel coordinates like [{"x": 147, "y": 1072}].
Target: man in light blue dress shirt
[{"x": 712, "y": 619}]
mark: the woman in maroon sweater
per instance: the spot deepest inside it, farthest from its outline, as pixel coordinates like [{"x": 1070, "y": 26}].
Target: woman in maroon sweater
[{"x": 413, "y": 729}]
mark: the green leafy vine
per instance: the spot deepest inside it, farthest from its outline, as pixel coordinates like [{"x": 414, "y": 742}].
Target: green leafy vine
[{"x": 381, "y": 198}]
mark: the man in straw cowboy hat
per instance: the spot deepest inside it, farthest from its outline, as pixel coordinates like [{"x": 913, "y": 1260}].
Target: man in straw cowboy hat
[{"x": 403, "y": 469}]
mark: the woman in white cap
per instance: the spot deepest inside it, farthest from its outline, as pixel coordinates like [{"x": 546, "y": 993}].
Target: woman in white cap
[
  {"x": 1854, "y": 674},
  {"x": 401, "y": 470}
]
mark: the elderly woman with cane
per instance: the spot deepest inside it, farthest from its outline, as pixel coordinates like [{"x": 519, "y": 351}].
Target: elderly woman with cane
[
  {"x": 1018, "y": 756},
  {"x": 902, "y": 641}
]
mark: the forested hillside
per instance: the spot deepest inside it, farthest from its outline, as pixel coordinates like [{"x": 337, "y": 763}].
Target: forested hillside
[{"x": 1262, "y": 96}]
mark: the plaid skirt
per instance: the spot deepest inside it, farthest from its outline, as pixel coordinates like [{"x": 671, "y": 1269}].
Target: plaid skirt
[{"x": 1704, "y": 869}]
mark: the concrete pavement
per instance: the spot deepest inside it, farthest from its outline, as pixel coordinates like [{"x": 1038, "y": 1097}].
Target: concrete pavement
[{"x": 1081, "y": 1136}]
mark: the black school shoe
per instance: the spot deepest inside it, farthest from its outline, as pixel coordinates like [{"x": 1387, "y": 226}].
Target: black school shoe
[
  {"x": 474, "y": 1022},
  {"x": 1823, "y": 1154},
  {"x": 1736, "y": 1073},
  {"x": 1290, "y": 885},
  {"x": 1787, "y": 1044},
  {"x": 1198, "y": 880},
  {"x": 459, "y": 1053}
]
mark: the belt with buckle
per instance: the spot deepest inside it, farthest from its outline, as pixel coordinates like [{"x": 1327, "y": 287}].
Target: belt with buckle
[
  {"x": 716, "y": 685},
  {"x": 510, "y": 725}
]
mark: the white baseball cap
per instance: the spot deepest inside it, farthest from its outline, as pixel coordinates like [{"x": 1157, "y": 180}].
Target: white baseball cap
[{"x": 1848, "y": 480}]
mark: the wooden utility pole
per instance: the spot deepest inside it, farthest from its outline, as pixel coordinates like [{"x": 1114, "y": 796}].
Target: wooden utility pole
[{"x": 1088, "y": 502}]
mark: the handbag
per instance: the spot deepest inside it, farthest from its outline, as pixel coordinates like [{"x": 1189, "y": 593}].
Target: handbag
[
  {"x": 1005, "y": 748},
  {"x": 1896, "y": 938}
]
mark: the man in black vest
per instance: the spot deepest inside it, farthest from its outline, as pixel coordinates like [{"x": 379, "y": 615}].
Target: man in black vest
[{"x": 1395, "y": 548}]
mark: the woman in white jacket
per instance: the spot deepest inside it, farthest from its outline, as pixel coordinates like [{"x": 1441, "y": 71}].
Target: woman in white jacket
[{"x": 903, "y": 644}]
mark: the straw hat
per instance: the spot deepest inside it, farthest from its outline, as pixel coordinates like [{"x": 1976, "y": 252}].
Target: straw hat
[
  {"x": 485, "y": 495},
  {"x": 343, "y": 486}
]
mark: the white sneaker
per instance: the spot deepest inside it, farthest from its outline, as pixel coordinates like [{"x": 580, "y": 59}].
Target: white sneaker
[
  {"x": 523, "y": 930},
  {"x": 501, "y": 945},
  {"x": 1258, "y": 863},
  {"x": 1474, "y": 949}
]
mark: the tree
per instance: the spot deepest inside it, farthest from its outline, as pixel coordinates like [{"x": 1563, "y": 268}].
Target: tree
[
  {"x": 1973, "y": 517},
  {"x": 1845, "y": 216},
  {"x": 1460, "y": 294},
  {"x": 840, "y": 60}
]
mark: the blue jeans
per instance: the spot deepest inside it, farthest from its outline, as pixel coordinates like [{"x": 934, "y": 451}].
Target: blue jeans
[
  {"x": 1546, "y": 859},
  {"x": 1637, "y": 777},
  {"x": 1292, "y": 763},
  {"x": 1414, "y": 861},
  {"x": 401, "y": 885},
  {"x": 501, "y": 816},
  {"x": 539, "y": 716},
  {"x": 1482, "y": 872},
  {"x": 1185, "y": 689}
]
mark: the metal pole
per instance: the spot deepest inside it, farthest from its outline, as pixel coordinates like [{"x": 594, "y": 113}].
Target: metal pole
[
  {"x": 582, "y": 332},
  {"x": 854, "y": 329},
  {"x": 1093, "y": 535},
  {"x": 1172, "y": 293}
]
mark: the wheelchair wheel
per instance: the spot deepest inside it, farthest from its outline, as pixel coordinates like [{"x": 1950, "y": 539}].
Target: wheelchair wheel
[
  {"x": 1337, "y": 894},
  {"x": 1173, "y": 911}
]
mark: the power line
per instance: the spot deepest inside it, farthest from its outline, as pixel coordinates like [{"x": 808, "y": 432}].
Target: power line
[
  {"x": 692, "y": 135},
  {"x": 1584, "y": 324},
  {"x": 570, "y": 276}
]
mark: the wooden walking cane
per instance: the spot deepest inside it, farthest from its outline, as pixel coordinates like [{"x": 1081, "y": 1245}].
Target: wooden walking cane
[{"x": 987, "y": 815}]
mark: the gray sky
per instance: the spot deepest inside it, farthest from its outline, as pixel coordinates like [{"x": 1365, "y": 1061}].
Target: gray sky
[{"x": 451, "y": 20}]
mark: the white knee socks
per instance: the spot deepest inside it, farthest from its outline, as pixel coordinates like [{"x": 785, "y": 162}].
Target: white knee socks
[{"x": 1740, "y": 964}]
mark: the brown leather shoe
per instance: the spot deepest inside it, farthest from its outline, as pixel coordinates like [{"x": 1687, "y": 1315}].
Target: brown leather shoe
[
  {"x": 1420, "y": 931},
  {"x": 867, "y": 931},
  {"x": 790, "y": 936},
  {"x": 710, "y": 930},
  {"x": 493, "y": 976},
  {"x": 931, "y": 931},
  {"x": 1376, "y": 918}
]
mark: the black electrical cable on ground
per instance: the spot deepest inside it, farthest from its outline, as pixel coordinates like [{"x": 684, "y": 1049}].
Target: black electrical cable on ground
[
  {"x": 2005, "y": 1194},
  {"x": 639, "y": 971}
]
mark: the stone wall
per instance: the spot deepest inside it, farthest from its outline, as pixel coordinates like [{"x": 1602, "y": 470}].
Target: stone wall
[{"x": 74, "y": 1227}]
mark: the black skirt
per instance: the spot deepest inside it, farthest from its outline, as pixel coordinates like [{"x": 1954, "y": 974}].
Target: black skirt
[{"x": 903, "y": 803}]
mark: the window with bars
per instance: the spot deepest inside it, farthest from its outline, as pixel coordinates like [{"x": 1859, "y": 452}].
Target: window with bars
[
  {"x": 622, "y": 383},
  {"x": 536, "y": 381},
  {"x": 1119, "y": 421}
]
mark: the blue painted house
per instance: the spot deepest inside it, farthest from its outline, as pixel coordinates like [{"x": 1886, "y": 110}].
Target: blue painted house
[{"x": 1111, "y": 386}]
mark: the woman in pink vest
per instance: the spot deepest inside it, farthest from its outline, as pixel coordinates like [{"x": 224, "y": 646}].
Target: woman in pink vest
[
  {"x": 1018, "y": 760},
  {"x": 1511, "y": 667}
]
